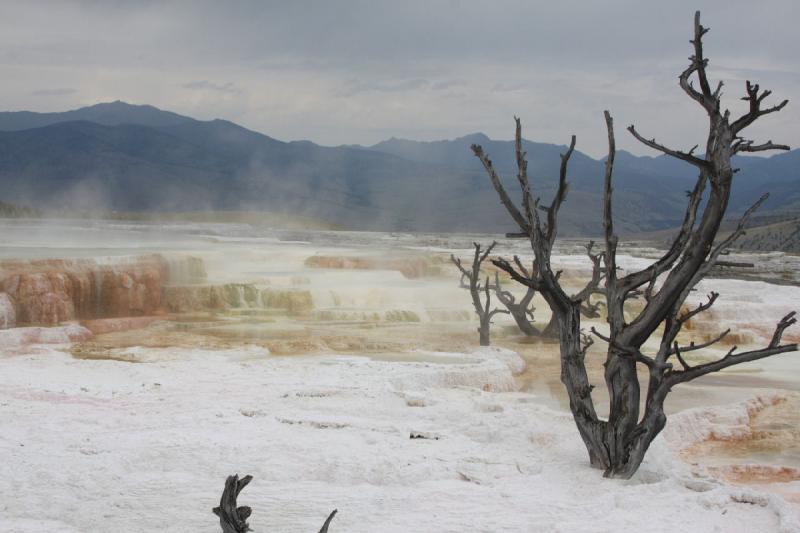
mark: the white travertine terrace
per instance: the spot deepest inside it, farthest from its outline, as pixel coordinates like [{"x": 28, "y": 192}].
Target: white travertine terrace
[{"x": 320, "y": 405}]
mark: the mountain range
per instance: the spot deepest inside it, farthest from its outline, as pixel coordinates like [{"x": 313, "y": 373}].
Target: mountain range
[{"x": 122, "y": 157}]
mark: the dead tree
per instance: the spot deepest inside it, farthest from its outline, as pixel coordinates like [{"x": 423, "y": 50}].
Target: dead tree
[
  {"x": 473, "y": 276},
  {"x": 233, "y": 519},
  {"x": 618, "y": 445}
]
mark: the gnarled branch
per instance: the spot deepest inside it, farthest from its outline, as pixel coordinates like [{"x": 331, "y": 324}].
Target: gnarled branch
[
  {"x": 755, "y": 99},
  {"x": 698, "y": 64},
  {"x": 233, "y": 519}
]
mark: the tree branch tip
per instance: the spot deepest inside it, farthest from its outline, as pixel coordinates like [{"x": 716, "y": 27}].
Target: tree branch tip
[
  {"x": 328, "y": 521},
  {"x": 789, "y": 320}
]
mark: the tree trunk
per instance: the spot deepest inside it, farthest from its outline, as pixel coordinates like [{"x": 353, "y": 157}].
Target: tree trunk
[
  {"x": 616, "y": 446},
  {"x": 483, "y": 331},
  {"x": 649, "y": 428},
  {"x": 623, "y": 389},
  {"x": 576, "y": 381}
]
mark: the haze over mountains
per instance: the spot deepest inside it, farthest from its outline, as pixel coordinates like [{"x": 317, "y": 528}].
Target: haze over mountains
[{"x": 117, "y": 156}]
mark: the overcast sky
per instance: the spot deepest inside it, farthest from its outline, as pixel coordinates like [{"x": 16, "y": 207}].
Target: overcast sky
[{"x": 347, "y": 72}]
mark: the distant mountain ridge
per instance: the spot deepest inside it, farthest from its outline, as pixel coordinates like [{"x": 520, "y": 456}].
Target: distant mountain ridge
[
  {"x": 108, "y": 114},
  {"x": 668, "y": 177},
  {"x": 118, "y": 156}
]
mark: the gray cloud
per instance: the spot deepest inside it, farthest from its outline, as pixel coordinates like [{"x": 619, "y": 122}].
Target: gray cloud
[
  {"x": 389, "y": 86},
  {"x": 354, "y": 71},
  {"x": 508, "y": 87},
  {"x": 443, "y": 85},
  {"x": 205, "y": 85},
  {"x": 63, "y": 91}
]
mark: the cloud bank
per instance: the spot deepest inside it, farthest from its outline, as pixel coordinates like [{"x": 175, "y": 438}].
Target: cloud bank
[{"x": 360, "y": 71}]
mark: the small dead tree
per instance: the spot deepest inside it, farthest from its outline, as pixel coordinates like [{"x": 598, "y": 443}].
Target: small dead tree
[
  {"x": 618, "y": 445},
  {"x": 473, "y": 276},
  {"x": 233, "y": 519}
]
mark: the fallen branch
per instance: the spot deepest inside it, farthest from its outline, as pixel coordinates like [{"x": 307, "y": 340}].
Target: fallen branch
[{"x": 233, "y": 519}]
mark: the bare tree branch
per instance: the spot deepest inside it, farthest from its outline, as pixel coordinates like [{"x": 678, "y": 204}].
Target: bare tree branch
[
  {"x": 698, "y": 64},
  {"x": 522, "y": 267},
  {"x": 648, "y": 292},
  {"x": 674, "y": 322},
  {"x": 731, "y": 358},
  {"x": 524, "y": 279},
  {"x": 501, "y": 192},
  {"x": 755, "y": 99},
  {"x": 561, "y": 194},
  {"x": 593, "y": 286},
  {"x": 684, "y": 156},
  {"x": 608, "y": 217},
  {"x": 681, "y": 360},
  {"x": 520, "y": 311},
  {"x": 694, "y": 347},
  {"x": 522, "y": 175},
  {"x": 488, "y": 299},
  {"x": 485, "y": 253},
  {"x": 734, "y": 236},
  {"x": 665, "y": 262},
  {"x": 712, "y": 297},
  {"x": 748, "y": 146},
  {"x": 457, "y": 261}
]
